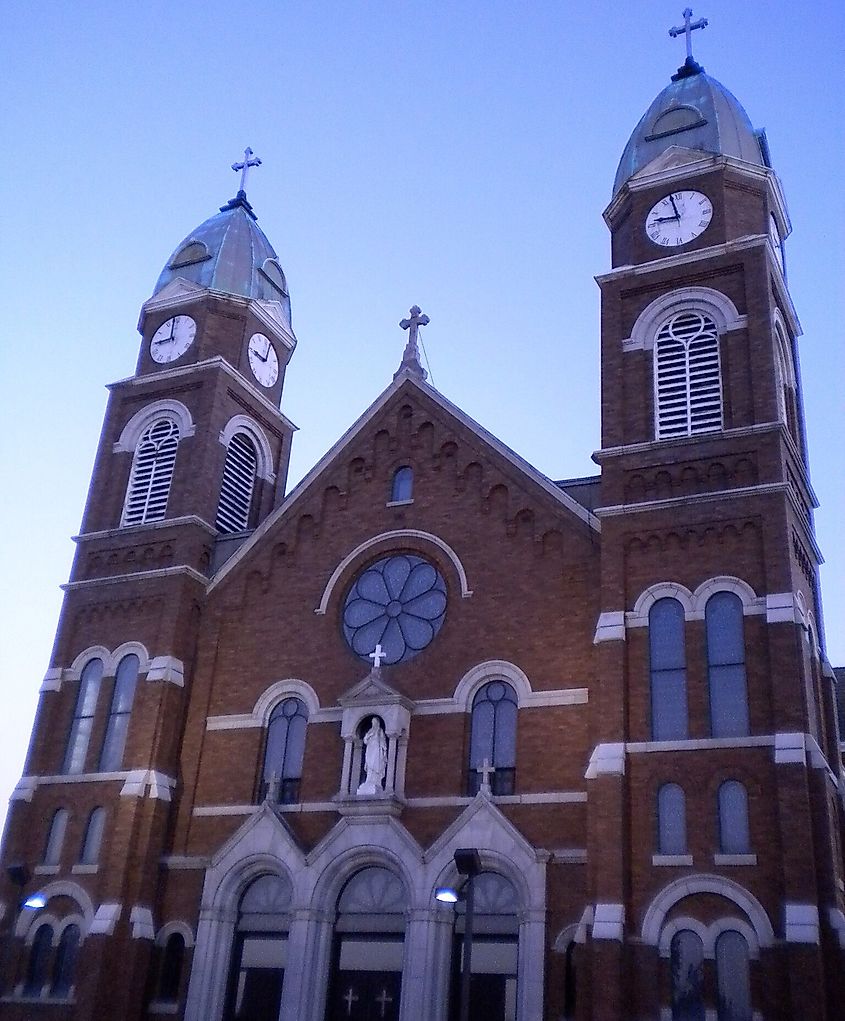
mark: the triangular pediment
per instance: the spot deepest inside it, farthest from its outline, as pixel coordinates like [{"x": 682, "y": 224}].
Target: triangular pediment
[
  {"x": 262, "y": 834},
  {"x": 671, "y": 158},
  {"x": 373, "y": 690},
  {"x": 483, "y": 826}
]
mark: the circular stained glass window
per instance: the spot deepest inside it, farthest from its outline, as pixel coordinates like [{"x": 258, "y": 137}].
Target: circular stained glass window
[{"x": 398, "y": 603}]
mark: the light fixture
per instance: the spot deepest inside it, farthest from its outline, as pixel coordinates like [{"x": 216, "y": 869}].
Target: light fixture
[
  {"x": 35, "y": 901},
  {"x": 446, "y": 895}
]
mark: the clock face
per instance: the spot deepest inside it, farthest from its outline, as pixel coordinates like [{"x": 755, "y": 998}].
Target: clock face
[
  {"x": 777, "y": 241},
  {"x": 172, "y": 339},
  {"x": 678, "y": 218},
  {"x": 263, "y": 359}
]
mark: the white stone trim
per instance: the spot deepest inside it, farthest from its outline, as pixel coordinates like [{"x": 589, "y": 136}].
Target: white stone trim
[
  {"x": 169, "y": 928},
  {"x": 245, "y": 424},
  {"x": 74, "y": 671},
  {"x": 389, "y": 539},
  {"x": 279, "y": 690},
  {"x": 610, "y": 627},
  {"x": 709, "y": 934},
  {"x": 695, "y": 603},
  {"x": 609, "y": 922},
  {"x": 693, "y": 500},
  {"x": 584, "y": 924},
  {"x": 141, "y": 920},
  {"x": 24, "y": 789},
  {"x": 52, "y": 680},
  {"x": 80, "y": 869},
  {"x": 27, "y": 784},
  {"x": 671, "y": 859},
  {"x": 677, "y": 925},
  {"x": 734, "y": 859},
  {"x": 790, "y": 748},
  {"x": 134, "y": 428},
  {"x": 606, "y": 760},
  {"x": 139, "y": 781},
  {"x": 168, "y": 669},
  {"x": 59, "y": 888},
  {"x": 566, "y": 936},
  {"x": 493, "y": 670},
  {"x": 638, "y": 617},
  {"x": 570, "y": 855},
  {"x": 106, "y": 919},
  {"x": 784, "y": 607},
  {"x": 28, "y": 925},
  {"x": 68, "y": 920},
  {"x": 154, "y": 575},
  {"x": 695, "y": 744},
  {"x": 717, "y": 305},
  {"x": 46, "y": 870},
  {"x": 801, "y": 923},
  {"x": 146, "y": 527}
]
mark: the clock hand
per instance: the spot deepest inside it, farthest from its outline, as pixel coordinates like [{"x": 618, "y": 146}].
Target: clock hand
[
  {"x": 677, "y": 214},
  {"x": 666, "y": 219}
]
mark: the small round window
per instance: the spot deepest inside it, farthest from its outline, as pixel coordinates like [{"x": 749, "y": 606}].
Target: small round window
[{"x": 398, "y": 603}]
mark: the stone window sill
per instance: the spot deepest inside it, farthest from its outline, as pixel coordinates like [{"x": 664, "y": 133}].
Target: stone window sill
[
  {"x": 46, "y": 870},
  {"x": 671, "y": 859},
  {"x": 399, "y": 503},
  {"x": 734, "y": 859},
  {"x": 84, "y": 870}
]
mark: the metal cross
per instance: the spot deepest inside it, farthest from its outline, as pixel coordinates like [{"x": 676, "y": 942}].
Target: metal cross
[
  {"x": 377, "y": 655},
  {"x": 688, "y": 28},
  {"x": 248, "y": 161},
  {"x": 349, "y": 999},
  {"x": 418, "y": 319},
  {"x": 486, "y": 770},
  {"x": 383, "y": 1000}
]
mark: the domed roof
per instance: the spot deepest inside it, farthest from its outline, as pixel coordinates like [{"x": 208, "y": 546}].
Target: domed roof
[
  {"x": 696, "y": 112},
  {"x": 229, "y": 253}
]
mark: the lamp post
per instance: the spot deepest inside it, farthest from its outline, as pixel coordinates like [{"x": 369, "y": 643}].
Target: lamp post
[{"x": 468, "y": 864}]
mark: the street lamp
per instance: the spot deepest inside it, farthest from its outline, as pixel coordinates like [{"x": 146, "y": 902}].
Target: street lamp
[{"x": 468, "y": 864}]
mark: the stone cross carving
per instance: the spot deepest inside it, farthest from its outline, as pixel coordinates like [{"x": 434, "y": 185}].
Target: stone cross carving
[
  {"x": 383, "y": 999},
  {"x": 485, "y": 770},
  {"x": 411, "y": 354},
  {"x": 349, "y": 999},
  {"x": 688, "y": 27},
  {"x": 377, "y": 655},
  {"x": 248, "y": 161}
]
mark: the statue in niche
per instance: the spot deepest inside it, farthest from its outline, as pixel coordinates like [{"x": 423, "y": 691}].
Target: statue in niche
[{"x": 375, "y": 759}]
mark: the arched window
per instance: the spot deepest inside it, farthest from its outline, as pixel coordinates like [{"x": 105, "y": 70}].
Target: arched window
[
  {"x": 726, "y": 666},
  {"x": 38, "y": 963},
  {"x": 732, "y": 977},
  {"x": 402, "y": 487},
  {"x": 114, "y": 741},
  {"x": 686, "y": 959},
  {"x": 284, "y": 751},
  {"x": 687, "y": 376},
  {"x": 64, "y": 964},
  {"x": 56, "y": 837},
  {"x": 152, "y": 471},
  {"x": 668, "y": 666},
  {"x": 671, "y": 819},
  {"x": 170, "y": 975},
  {"x": 90, "y": 852},
  {"x": 83, "y": 717},
  {"x": 192, "y": 252},
  {"x": 238, "y": 484},
  {"x": 493, "y": 738},
  {"x": 734, "y": 836}
]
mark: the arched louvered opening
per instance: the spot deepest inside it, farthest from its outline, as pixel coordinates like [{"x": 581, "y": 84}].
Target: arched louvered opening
[
  {"x": 152, "y": 472},
  {"x": 687, "y": 371},
  {"x": 238, "y": 484}
]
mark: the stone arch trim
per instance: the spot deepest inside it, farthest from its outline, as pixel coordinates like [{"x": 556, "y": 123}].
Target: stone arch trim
[
  {"x": 178, "y": 926},
  {"x": 136, "y": 425},
  {"x": 59, "y": 888},
  {"x": 279, "y": 690},
  {"x": 129, "y": 649},
  {"x": 783, "y": 345},
  {"x": 245, "y": 424},
  {"x": 676, "y": 891},
  {"x": 681, "y": 924},
  {"x": 568, "y": 934},
  {"x": 74, "y": 671},
  {"x": 705, "y": 299},
  {"x": 63, "y": 923},
  {"x": 387, "y": 539},
  {"x": 337, "y": 872},
  {"x": 226, "y": 893},
  {"x": 37, "y": 922},
  {"x": 638, "y": 617},
  {"x": 494, "y": 669},
  {"x": 751, "y": 603}
]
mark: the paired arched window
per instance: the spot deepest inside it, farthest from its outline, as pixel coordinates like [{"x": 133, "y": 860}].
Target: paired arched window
[
  {"x": 170, "y": 972},
  {"x": 492, "y": 745},
  {"x": 402, "y": 486},
  {"x": 732, "y": 977},
  {"x": 114, "y": 741},
  {"x": 152, "y": 472},
  {"x": 56, "y": 837},
  {"x": 284, "y": 751},
  {"x": 686, "y": 961},
  {"x": 238, "y": 486},
  {"x": 734, "y": 833},
  {"x": 64, "y": 963},
  {"x": 83, "y": 717},
  {"x": 726, "y": 665},
  {"x": 668, "y": 669},
  {"x": 687, "y": 376},
  {"x": 93, "y": 839},
  {"x": 671, "y": 820},
  {"x": 39, "y": 961}
]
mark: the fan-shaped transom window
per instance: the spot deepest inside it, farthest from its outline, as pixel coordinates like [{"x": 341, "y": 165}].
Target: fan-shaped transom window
[
  {"x": 402, "y": 486},
  {"x": 373, "y": 900},
  {"x": 114, "y": 741},
  {"x": 194, "y": 251},
  {"x": 273, "y": 272},
  {"x": 83, "y": 717},
  {"x": 668, "y": 669},
  {"x": 152, "y": 472},
  {"x": 688, "y": 383},
  {"x": 675, "y": 119},
  {"x": 238, "y": 484},
  {"x": 492, "y": 746},
  {"x": 284, "y": 751}
]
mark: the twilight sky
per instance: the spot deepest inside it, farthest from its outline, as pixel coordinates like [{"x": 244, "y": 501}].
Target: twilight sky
[{"x": 453, "y": 154}]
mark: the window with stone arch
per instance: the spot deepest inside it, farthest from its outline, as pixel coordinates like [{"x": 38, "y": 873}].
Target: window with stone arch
[
  {"x": 56, "y": 837},
  {"x": 152, "y": 473},
  {"x": 724, "y": 626},
  {"x": 64, "y": 963},
  {"x": 686, "y": 964},
  {"x": 687, "y": 376},
  {"x": 734, "y": 832},
  {"x": 402, "y": 485},
  {"x": 671, "y": 820},
  {"x": 83, "y": 717},
  {"x": 114, "y": 740},
  {"x": 93, "y": 839},
  {"x": 492, "y": 743},
  {"x": 172, "y": 961},
  {"x": 784, "y": 380},
  {"x": 238, "y": 486},
  {"x": 37, "y": 966},
  {"x": 284, "y": 751},
  {"x": 668, "y": 671}
]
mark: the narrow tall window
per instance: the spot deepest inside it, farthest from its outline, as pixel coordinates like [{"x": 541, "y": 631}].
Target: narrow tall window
[
  {"x": 114, "y": 741},
  {"x": 56, "y": 837},
  {"x": 152, "y": 472},
  {"x": 90, "y": 853},
  {"x": 493, "y": 738},
  {"x": 734, "y": 836},
  {"x": 284, "y": 751},
  {"x": 238, "y": 484},
  {"x": 732, "y": 977},
  {"x": 686, "y": 958},
  {"x": 726, "y": 666},
  {"x": 687, "y": 376},
  {"x": 668, "y": 666},
  {"x": 83, "y": 717},
  {"x": 671, "y": 819},
  {"x": 402, "y": 487},
  {"x": 39, "y": 959},
  {"x": 170, "y": 976},
  {"x": 64, "y": 964}
]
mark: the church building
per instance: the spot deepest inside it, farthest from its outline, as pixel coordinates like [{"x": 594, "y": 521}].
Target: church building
[{"x": 273, "y": 715}]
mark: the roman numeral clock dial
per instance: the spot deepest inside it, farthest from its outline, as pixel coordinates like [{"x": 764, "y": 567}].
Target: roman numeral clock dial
[
  {"x": 678, "y": 218},
  {"x": 172, "y": 339}
]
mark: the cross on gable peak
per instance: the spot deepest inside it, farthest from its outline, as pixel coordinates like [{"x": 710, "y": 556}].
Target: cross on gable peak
[{"x": 411, "y": 355}]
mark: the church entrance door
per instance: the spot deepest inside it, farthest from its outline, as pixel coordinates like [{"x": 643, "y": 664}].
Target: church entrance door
[{"x": 366, "y": 995}]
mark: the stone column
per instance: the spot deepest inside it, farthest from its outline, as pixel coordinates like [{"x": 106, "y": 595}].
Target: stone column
[{"x": 532, "y": 955}]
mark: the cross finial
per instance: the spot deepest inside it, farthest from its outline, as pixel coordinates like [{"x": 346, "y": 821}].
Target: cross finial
[
  {"x": 411, "y": 354},
  {"x": 485, "y": 771},
  {"x": 377, "y": 655},
  {"x": 248, "y": 161},
  {"x": 688, "y": 27}
]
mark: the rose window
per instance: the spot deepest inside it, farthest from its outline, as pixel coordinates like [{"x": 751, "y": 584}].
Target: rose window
[{"x": 398, "y": 603}]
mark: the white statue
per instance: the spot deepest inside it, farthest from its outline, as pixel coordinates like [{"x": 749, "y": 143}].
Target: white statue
[{"x": 375, "y": 759}]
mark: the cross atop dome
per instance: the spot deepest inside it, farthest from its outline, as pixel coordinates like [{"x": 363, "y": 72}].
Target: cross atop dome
[
  {"x": 690, "y": 65},
  {"x": 249, "y": 160}
]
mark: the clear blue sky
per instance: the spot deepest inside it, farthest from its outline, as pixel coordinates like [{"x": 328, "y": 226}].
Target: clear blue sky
[{"x": 458, "y": 155}]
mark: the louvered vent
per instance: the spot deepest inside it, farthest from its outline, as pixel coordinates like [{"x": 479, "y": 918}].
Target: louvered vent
[
  {"x": 688, "y": 390},
  {"x": 152, "y": 471},
  {"x": 237, "y": 486}
]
